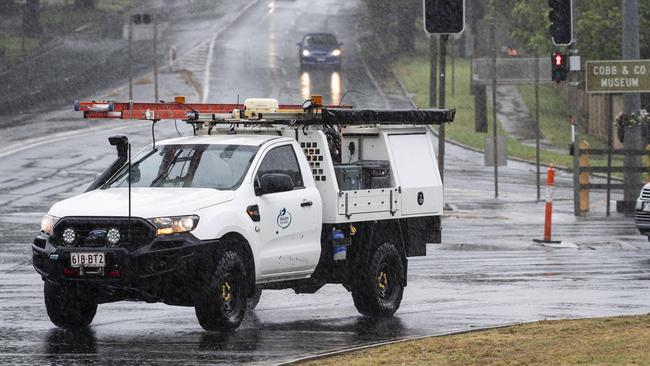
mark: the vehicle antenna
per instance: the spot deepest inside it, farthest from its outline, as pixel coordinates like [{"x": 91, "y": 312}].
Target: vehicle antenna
[
  {"x": 129, "y": 178},
  {"x": 176, "y": 127},
  {"x": 346, "y": 93}
]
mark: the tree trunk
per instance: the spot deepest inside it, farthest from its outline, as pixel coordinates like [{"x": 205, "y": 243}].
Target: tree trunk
[{"x": 31, "y": 19}]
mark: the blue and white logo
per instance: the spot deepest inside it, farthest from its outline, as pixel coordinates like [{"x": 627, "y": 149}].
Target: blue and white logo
[{"x": 284, "y": 218}]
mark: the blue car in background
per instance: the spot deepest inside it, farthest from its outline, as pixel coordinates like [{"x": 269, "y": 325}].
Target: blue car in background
[{"x": 319, "y": 49}]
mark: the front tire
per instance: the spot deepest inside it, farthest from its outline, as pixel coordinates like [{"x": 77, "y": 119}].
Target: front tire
[
  {"x": 222, "y": 302},
  {"x": 68, "y": 306},
  {"x": 254, "y": 299},
  {"x": 380, "y": 286}
]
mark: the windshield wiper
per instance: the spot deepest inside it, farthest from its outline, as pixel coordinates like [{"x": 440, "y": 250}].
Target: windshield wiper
[{"x": 167, "y": 170}]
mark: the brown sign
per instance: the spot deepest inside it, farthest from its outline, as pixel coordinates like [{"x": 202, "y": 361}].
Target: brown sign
[{"x": 618, "y": 76}]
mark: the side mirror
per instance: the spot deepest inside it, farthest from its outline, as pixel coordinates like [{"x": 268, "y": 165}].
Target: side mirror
[
  {"x": 299, "y": 44},
  {"x": 274, "y": 183}
]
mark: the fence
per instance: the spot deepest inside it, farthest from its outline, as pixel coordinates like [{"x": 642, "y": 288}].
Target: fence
[{"x": 585, "y": 170}]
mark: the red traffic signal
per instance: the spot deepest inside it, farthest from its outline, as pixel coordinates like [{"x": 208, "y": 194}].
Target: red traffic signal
[
  {"x": 558, "y": 66},
  {"x": 558, "y": 60}
]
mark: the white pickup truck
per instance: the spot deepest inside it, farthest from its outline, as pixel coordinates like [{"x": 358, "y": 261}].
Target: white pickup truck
[{"x": 210, "y": 220}]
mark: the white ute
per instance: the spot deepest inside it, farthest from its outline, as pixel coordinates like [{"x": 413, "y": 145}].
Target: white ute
[{"x": 262, "y": 196}]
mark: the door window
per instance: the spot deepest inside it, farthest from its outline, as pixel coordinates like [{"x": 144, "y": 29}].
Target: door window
[{"x": 281, "y": 160}]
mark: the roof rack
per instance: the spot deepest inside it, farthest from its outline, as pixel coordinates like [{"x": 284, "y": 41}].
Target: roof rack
[{"x": 262, "y": 112}]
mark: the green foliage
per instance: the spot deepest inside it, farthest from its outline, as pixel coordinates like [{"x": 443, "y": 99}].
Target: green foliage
[
  {"x": 530, "y": 29},
  {"x": 389, "y": 28},
  {"x": 599, "y": 30},
  {"x": 11, "y": 48},
  {"x": 598, "y": 27}
]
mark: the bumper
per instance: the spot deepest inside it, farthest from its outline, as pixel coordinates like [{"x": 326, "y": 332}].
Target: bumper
[
  {"x": 317, "y": 60},
  {"x": 168, "y": 269},
  {"x": 642, "y": 217}
]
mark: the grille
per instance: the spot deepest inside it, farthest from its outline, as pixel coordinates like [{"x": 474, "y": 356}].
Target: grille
[
  {"x": 642, "y": 216},
  {"x": 645, "y": 194},
  {"x": 142, "y": 232}
]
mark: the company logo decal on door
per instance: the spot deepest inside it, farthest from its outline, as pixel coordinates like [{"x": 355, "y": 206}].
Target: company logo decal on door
[{"x": 284, "y": 218}]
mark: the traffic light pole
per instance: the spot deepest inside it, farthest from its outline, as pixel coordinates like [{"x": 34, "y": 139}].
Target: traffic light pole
[
  {"x": 494, "y": 107},
  {"x": 537, "y": 126},
  {"x": 441, "y": 103},
  {"x": 130, "y": 67},
  {"x": 155, "y": 58}
]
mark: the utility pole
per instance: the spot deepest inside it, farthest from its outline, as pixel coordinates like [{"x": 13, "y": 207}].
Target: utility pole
[
  {"x": 631, "y": 104},
  {"x": 537, "y": 137},
  {"x": 130, "y": 67},
  {"x": 493, "y": 47},
  {"x": 155, "y": 57},
  {"x": 441, "y": 104},
  {"x": 433, "y": 71}
]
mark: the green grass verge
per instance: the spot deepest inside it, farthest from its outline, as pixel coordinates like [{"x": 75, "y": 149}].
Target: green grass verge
[
  {"x": 12, "y": 47},
  {"x": 414, "y": 72},
  {"x": 604, "y": 341},
  {"x": 64, "y": 17}
]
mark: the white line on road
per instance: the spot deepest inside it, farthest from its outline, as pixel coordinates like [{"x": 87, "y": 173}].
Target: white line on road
[
  {"x": 38, "y": 141},
  {"x": 208, "y": 62}
]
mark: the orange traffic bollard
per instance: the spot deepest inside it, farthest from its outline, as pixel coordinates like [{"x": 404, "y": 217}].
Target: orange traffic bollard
[{"x": 550, "y": 181}]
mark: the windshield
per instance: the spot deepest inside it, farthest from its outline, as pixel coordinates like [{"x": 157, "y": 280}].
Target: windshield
[
  {"x": 320, "y": 40},
  {"x": 188, "y": 166}
]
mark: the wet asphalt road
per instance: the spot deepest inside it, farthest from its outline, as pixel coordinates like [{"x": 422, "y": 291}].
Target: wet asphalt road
[{"x": 487, "y": 272}]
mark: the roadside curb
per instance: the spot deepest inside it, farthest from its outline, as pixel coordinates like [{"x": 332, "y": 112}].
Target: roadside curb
[{"x": 402, "y": 340}]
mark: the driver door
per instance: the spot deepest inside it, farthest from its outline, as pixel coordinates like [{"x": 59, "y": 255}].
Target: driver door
[{"x": 289, "y": 221}]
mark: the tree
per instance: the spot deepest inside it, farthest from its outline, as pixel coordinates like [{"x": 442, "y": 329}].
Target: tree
[
  {"x": 597, "y": 22},
  {"x": 530, "y": 26},
  {"x": 31, "y": 19}
]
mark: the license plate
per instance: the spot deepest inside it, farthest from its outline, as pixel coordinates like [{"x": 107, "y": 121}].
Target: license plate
[
  {"x": 321, "y": 59},
  {"x": 646, "y": 206},
  {"x": 90, "y": 259}
]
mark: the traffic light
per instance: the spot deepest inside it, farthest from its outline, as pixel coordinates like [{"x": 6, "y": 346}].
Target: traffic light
[
  {"x": 558, "y": 66},
  {"x": 561, "y": 28},
  {"x": 444, "y": 16}
]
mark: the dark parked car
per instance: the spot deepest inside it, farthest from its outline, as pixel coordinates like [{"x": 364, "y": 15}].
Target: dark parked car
[{"x": 319, "y": 49}]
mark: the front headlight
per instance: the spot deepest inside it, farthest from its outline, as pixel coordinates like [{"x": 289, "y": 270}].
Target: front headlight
[
  {"x": 305, "y": 53},
  {"x": 336, "y": 52},
  {"x": 174, "y": 224},
  {"x": 47, "y": 224}
]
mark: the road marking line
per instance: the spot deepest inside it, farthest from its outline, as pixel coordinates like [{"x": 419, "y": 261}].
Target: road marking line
[
  {"x": 208, "y": 62},
  {"x": 31, "y": 143}
]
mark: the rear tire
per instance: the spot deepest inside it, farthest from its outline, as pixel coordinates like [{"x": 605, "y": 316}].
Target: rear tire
[
  {"x": 68, "y": 306},
  {"x": 380, "y": 286},
  {"x": 222, "y": 301}
]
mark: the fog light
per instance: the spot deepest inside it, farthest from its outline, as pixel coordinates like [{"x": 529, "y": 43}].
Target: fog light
[
  {"x": 69, "y": 236},
  {"x": 113, "y": 236}
]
